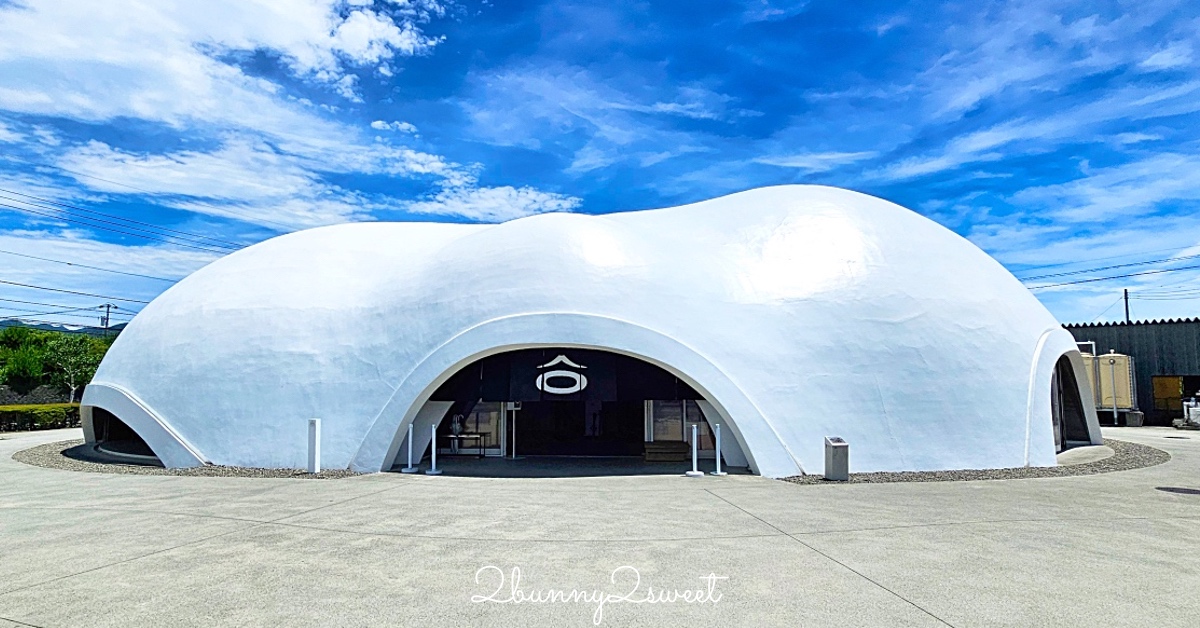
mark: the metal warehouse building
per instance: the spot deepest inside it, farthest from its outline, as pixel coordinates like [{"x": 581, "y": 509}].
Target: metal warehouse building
[{"x": 1166, "y": 360}]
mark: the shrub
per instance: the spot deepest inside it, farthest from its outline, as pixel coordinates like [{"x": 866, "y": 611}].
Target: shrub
[{"x": 39, "y": 417}]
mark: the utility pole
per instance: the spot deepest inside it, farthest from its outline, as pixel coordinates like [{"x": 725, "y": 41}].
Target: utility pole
[
  {"x": 1127, "y": 305},
  {"x": 109, "y": 306}
]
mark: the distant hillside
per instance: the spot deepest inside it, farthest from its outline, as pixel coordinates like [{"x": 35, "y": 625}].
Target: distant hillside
[{"x": 70, "y": 329}]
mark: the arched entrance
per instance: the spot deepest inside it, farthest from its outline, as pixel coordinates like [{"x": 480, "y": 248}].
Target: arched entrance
[
  {"x": 569, "y": 402},
  {"x": 743, "y": 422}
]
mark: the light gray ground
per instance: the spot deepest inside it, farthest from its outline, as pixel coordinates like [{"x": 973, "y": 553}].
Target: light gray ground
[
  {"x": 91, "y": 549},
  {"x": 1114, "y": 455}
]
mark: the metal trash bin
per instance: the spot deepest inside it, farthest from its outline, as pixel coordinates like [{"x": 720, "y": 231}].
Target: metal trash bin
[{"x": 837, "y": 459}]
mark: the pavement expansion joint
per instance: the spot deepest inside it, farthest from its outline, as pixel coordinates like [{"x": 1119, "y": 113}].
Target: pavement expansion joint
[{"x": 838, "y": 562}]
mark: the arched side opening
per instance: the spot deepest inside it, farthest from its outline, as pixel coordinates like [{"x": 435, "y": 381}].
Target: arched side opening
[
  {"x": 114, "y": 438},
  {"x": 1052, "y": 387},
  {"x": 1067, "y": 410},
  {"x": 743, "y": 423},
  {"x": 116, "y": 419}
]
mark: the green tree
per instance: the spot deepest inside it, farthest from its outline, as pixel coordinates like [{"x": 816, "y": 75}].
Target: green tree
[
  {"x": 14, "y": 338},
  {"x": 74, "y": 358},
  {"x": 24, "y": 368}
]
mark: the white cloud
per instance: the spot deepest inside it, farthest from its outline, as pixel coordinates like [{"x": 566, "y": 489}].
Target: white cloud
[
  {"x": 1174, "y": 56},
  {"x": 518, "y": 106},
  {"x": 1126, "y": 191},
  {"x": 396, "y": 125},
  {"x": 250, "y": 180},
  {"x": 1043, "y": 134},
  {"x": 8, "y": 135},
  {"x": 886, "y": 26},
  {"x": 100, "y": 62},
  {"x": 1135, "y": 138},
  {"x": 64, "y": 57},
  {"x": 494, "y": 204},
  {"x": 367, "y": 37},
  {"x": 814, "y": 162},
  {"x": 267, "y": 153},
  {"x": 772, "y": 10},
  {"x": 1030, "y": 45}
]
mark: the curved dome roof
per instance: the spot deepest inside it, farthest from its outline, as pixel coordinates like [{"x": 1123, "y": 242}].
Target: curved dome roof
[{"x": 800, "y": 311}]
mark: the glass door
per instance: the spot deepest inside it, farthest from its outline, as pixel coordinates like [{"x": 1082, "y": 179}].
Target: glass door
[
  {"x": 479, "y": 432},
  {"x": 673, "y": 421}
]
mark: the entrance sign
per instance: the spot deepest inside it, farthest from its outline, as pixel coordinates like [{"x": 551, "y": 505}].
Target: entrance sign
[
  {"x": 579, "y": 379},
  {"x": 561, "y": 374}
]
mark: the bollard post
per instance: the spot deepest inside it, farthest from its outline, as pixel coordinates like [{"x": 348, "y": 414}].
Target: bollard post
[
  {"x": 1112, "y": 370},
  {"x": 433, "y": 470},
  {"x": 314, "y": 445},
  {"x": 717, "y": 427},
  {"x": 410, "y": 468},
  {"x": 695, "y": 472}
]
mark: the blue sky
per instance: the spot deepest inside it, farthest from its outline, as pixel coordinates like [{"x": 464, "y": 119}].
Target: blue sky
[{"x": 1058, "y": 136}]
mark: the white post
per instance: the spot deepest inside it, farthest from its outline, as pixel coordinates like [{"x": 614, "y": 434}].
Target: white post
[
  {"x": 410, "y": 468},
  {"x": 717, "y": 427},
  {"x": 314, "y": 445},
  {"x": 514, "y": 428},
  {"x": 1112, "y": 369},
  {"x": 433, "y": 470},
  {"x": 695, "y": 472}
]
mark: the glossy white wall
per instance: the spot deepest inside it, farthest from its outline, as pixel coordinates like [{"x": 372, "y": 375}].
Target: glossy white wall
[{"x": 800, "y": 311}]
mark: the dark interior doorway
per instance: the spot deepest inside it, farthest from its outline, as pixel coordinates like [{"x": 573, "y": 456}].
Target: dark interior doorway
[
  {"x": 1070, "y": 424},
  {"x": 114, "y": 437},
  {"x": 560, "y": 402},
  {"x": 581, "y": 428}
]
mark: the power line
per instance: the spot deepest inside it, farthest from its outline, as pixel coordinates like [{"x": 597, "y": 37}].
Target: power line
[
  {"x": 145, "y": 236},
  {"x": 1154, "y": 292},
  {"x": 225, "y": 210},
  {"x": 97, "y": 315},
  {"x": 1174, "y": 298},
  {"x": 1094, "y": 279},
  {"x": 1101, "y": 259},
  {"x": 1102, "y": 268},
  {"x": 29, "y": 312},
  {"x": 60, "y": 204},
  {"x": 107, "y": 270},
  {"x": 61, "y": 305},
  {"x": 1108, "y": 308},
  {"x": 85, "y": 294}
]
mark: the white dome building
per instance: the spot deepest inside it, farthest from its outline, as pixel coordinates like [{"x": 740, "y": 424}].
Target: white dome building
[{"x": 785, "y": 314}]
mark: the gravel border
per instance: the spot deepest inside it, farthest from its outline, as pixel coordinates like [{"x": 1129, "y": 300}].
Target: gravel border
[
  {"x": 74, "y": 455},
  {"x": 1126, "y": 456}
]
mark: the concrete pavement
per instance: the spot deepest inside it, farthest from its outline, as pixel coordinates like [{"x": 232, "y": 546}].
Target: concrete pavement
[{"x": 83, "y": 549}]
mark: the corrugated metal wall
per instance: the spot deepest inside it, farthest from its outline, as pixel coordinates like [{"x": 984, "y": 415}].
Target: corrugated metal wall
[{"x": 1158, "y": 348}]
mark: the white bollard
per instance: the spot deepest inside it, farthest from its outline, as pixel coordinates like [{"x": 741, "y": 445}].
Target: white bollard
[
  {"x": 717, "y": 427},
  {"x": 410, "y": 468},
  {"x": 695, "y": 472},
  {"x": 433, "y": 470},
  {"x": 314, "y": 445}
]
